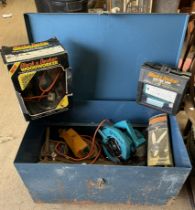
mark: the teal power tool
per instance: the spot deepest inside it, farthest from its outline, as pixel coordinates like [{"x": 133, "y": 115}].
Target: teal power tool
[{"x": 119, "y": 141}]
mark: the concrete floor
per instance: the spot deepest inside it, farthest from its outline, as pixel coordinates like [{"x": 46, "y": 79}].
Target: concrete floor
[{"x": 13, "y": 194}]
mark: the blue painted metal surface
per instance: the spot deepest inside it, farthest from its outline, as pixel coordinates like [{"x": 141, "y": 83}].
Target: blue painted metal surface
[
  {"x": 93, "y": 111},
  {"x": 106, "y": 53},
  {"x": 122, "y": 184}
]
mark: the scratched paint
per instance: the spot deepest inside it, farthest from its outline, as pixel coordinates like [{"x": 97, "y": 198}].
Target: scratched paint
[
  {"x": 60, "y": 171},
  {"x": 56, "y": 183},
  {"x": 171, "y": 181}
]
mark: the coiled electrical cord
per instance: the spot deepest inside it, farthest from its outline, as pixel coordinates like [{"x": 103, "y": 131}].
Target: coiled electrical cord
[
  {"x": 46, "y": 90},
  {"x": 91, "y": 157}
]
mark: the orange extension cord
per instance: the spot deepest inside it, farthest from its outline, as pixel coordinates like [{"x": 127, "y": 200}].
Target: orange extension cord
[
  {"x": 94, "y": 144},
  {"x": 95, "y": 148},
  {"x": 30, "y": 98}
]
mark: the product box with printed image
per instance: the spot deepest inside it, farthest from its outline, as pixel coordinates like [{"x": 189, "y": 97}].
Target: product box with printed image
[
  {"x": 41, "y": 77},
  {"x": 159, "y": 142},
  {"x": 161, "y": 87}
]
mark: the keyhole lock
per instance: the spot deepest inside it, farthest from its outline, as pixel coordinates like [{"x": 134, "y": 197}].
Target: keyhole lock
[{"x": 100, "y": 183}]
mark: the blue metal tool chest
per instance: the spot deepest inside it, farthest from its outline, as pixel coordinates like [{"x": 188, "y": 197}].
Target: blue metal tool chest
[{"x": 106, "y": 52}]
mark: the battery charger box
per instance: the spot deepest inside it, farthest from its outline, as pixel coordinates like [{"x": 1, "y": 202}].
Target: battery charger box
[
  {"x": 161, "y": 87},
  {"x": 39, "y": 72}
]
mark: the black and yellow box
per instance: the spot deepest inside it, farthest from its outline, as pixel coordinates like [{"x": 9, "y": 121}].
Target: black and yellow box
[{"x": 41, "y": 77}]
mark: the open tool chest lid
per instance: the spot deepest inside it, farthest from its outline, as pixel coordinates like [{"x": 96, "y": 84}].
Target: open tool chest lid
[{"x": 106, "y": 52}]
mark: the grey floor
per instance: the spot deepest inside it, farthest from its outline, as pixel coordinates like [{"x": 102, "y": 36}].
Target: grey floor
[{"x": 13, "y": 194}]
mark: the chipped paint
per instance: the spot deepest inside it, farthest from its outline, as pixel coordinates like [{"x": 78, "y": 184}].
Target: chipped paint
[
  {"x": 58, "y": 183},
  {"x": 171, "y": 181},
  {"x": 60, "y": 171}
]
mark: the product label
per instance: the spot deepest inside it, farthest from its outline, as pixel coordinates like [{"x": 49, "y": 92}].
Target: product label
[
  {"x": 159, "y": 149},
  {"x": 163, "y": 78},
  {"x": 155, "y": 102},
  {"x": 24, "y": 79},
  {"x": 169, "y": 81},
  {"x": 42, "y": 63},
  {"x": 34, "y": 54},
  {"x": 32, "y": 46},
  {"x": 160, "y": 93}
]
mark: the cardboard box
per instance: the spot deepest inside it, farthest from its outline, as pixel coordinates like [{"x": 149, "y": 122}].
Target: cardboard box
[
  {"x": 159, "y": 142},
  {"x": 162, "y": 87},
  {"x": 39, "y": 72}
]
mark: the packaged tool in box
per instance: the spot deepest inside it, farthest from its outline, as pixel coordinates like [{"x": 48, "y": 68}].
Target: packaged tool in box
[
  {"x": 159, "y": 144},
  {"x": 41, "y": 77},
  {"x": 161, "y": 87}
]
